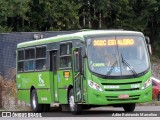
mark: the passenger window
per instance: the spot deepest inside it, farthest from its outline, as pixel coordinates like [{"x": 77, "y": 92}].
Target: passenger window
[
  {"x": 65, "y": 49},
  {"x": 65, "y": 62},
  {"x": 41, "y": 52},
  {"x": 30, "y": 53},
  {"x": 40, "y": 58},
  {"x": 29, "y": 64},
  {"x": 20, "y": 57},
  {"x": 65, "y": 55}
]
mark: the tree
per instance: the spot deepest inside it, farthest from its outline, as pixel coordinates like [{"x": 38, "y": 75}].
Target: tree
[
  {"x": 53, "y": 15},
  {"x": 11, "y": 12}
]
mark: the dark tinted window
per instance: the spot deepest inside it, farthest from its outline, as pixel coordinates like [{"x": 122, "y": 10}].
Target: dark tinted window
[
  {"x": 20, "y": 55},
  {"x": 29, "y": 65},
  {"x": 65, "y": 55},
  {"x": 41, "y": 64},
  {"x": 40, "y": 52},
  {"x": 20, "y": 66},
  {"x": 40, "y": 58},
  {"x": 65, "y": 49},
  {"x": 65, "y": 61},
  {"x": 30, "y": 53}
]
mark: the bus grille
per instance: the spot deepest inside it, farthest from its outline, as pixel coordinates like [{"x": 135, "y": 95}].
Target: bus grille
[
  {"x": 122, "y": 89},
  {"x": 122, "y": 84},
  {"x": 115, "y": 98}
]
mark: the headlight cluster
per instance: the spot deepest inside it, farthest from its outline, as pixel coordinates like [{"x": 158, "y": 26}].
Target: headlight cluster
[
  {"x": 147, "y": 84},
  {"x": 94, "y": 85}
]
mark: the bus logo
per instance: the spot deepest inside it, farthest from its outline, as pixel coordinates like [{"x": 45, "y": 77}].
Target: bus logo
[
  {"x": 111, "y": 86},
  {"x": 41, "y": 81}
]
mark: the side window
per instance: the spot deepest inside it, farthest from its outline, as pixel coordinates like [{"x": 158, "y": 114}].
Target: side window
[
  {"x": 20, "y": 60},
  {"x": 76, "y": 61},
  {"x": 29, "y": 63},
  {"x": 40, "y": 58},
  {"x": 65, "y": 55},
  {"x": 65, "y": 49}
]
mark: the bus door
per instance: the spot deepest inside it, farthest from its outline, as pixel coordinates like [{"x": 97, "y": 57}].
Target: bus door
[
  {"x": 77, "y": 79},
  {"x": 53, "y": 67}
]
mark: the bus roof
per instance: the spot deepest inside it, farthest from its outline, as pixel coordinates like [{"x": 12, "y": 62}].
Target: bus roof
[{"x": 77, "y": 35}]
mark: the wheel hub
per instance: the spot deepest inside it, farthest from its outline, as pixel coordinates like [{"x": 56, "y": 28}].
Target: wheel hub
[
  {"x": 34, "y": 101},
  {"x": 71, "y": 102}
]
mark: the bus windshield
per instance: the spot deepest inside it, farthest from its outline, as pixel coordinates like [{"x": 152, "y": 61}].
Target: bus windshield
[{"x": 117, "y": 55}]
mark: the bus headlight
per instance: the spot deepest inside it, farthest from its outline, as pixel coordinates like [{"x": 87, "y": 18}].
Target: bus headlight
[
  {"x": 94, "y": 85},
  {"x": 147, "y": 84}
]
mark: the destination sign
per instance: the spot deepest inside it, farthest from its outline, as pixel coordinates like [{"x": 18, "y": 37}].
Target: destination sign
[{"x": 113, "y": 42}]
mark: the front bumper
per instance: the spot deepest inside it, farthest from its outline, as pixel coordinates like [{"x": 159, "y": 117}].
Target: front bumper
[{"x": 111, "y": 97}]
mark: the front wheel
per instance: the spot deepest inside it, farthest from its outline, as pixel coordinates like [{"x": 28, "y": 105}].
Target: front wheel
[
  {"x": 34, "y": 102},
  {"x": 74, "y": 107},
  {"x": 129, "y": 107}
]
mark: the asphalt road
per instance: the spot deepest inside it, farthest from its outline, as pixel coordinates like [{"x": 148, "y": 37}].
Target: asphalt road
[{"x": 101, "y": 113}]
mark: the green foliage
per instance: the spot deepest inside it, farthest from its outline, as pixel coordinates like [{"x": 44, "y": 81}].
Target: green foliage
[
  {"x": 54, "y": 15},
  {"x": 11, "y": 9}
]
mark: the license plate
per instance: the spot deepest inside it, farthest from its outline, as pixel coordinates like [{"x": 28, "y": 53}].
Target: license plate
[{"x": 123, "y": 96}]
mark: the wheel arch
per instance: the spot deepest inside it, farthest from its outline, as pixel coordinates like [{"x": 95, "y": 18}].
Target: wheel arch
[
  {"x": 69, "y": 88},
  {"x": 32, "y": 88}
]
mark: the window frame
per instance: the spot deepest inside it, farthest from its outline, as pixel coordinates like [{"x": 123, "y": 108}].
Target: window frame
[
  {"x": 45, "y": 58},
  {"x": 28, "y": 49},
  {"x": 65, "y": 55},
  {"x": 18, "y": 61},
  {"x": 25, "y": 60},
  {"x": 76, "y": 61}
]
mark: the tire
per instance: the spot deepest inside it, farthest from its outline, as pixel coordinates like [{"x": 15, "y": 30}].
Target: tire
[
  {"x": 158, "y": 97},
  {"x": 34, "y": 102},
  {"x": 74, "y": 107},
  {"x": 129, "y": 107}
]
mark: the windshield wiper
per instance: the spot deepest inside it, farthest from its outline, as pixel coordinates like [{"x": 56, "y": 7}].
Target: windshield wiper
[
  {"x": 113, "y": 65},
  {"x": 130, "y": 67}
]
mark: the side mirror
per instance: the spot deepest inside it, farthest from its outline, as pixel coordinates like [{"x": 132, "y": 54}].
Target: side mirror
[
  {"x": 147, "y": 40},
  {"x": 149, "y": 48},
  {"x": 148, "y": 45}
]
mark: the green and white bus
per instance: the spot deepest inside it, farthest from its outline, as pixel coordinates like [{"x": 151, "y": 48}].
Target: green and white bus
[{"x": 85, "y": 69}]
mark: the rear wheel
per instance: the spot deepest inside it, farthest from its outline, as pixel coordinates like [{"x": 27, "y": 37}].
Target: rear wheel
[
  {"x": 129, "y": 107},
  {"x": 34, "y": 102},
  {"x": 158, "y": 97},
  {"x": 74, "y": 107}
]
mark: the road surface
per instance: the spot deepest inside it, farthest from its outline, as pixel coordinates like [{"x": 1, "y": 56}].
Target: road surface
[{"x": 101, "y": 113}]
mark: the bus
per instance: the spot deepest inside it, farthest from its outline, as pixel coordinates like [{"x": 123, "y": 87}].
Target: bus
[{"x": 85, "y": 69}]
